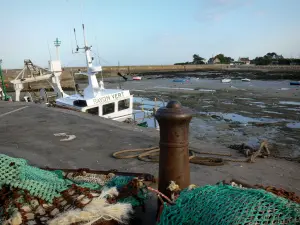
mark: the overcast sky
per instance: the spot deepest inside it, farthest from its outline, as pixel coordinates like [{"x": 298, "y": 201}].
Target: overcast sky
[{"x": 137, "y": 32}]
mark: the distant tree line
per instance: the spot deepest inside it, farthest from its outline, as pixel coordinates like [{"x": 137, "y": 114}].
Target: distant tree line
[
  {"x": 197, "y": 60},
  {"x": 272, "y": 58}
]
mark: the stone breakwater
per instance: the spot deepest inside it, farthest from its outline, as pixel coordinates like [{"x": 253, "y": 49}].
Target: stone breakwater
[{"x": 203, "y": 71}]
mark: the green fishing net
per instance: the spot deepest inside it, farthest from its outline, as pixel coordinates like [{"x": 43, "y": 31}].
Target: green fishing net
[
  {"x": 118, "y": 181},
  {"x": 135, "y": 200},
  {"x": 22, "y": 185},
  {"x": 40, "y": 183},
  {"x": 46, "y": 185},
  {"x": 225, "y": 205}
]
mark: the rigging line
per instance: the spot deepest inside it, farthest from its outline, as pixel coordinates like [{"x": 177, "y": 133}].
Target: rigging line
[
  {"x": 97, "y": 50},
  {"x": 100, "y": 57},
  {"x": 101, "y": 73}
]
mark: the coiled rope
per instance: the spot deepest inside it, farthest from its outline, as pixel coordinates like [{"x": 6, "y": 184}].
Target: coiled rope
[{"x": 151, "y": 155}]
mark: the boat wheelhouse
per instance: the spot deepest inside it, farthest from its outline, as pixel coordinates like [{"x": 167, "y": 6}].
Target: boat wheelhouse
[{"x": 113, "y": 104}]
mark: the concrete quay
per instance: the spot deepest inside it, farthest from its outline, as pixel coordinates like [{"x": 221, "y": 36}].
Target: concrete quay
[{"x": 27, "y": 130}]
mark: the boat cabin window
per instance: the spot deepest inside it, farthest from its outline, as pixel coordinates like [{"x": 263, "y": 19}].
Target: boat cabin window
[
  {"x": 123, "y": 104},
  {"x": 108, "y": 108},
  {"x": 94, "y": 111},
  {"x": 80, "y": 103}
]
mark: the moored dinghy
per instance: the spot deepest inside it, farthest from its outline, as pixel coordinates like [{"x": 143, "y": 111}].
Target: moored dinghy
[
  {"x": 245, "y": 80},
  {"x": 226, "y": 80},
  {"x": 136, "y": 78}
]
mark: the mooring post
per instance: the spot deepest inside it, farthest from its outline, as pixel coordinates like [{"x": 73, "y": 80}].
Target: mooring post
[{"x": 174, "y": 164}]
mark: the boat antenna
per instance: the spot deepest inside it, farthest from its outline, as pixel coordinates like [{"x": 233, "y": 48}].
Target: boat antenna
[
  {"x": 71, "y": 42},
  {"x": 77, "y": 47},
  {"x": 85, "y": 44}
]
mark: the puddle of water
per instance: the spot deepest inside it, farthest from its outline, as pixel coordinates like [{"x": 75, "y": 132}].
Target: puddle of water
[
  {"x": 260, "y": 106},
  {"x": 205, "y": 90},
  {"x": 241, "y": 119},
  {"x": 246, "y": 112},
  {"x": 207, "y": 101},
  {"x": 293, "y": 125},
  {"x": 228, "y": 103},
  {"x": 273, "y": 112},
  {"x": 143, "y": 90},
  {"x": 147, "y": 103},
  {"x": 245, "y": 98},
  {"x": 188, "y": 89},
  {"x": 289, "y": 103},
  {"x": 293, "y": 109},
  {"x": 141, "y": 116},
  {"x": 147, "y": 114}
]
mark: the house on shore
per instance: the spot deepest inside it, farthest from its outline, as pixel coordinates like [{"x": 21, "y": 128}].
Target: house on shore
[
  {"x": 244, "y": 60},
  {"x": 214, "y": 60}
]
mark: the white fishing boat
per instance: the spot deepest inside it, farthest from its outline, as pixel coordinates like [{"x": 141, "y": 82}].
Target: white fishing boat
[
  {"x": 226, "y": 80},
  {"x": 114, "y": 104},
  {"x": 245, "y": 80},
  {"x": 136, "y": 78}
]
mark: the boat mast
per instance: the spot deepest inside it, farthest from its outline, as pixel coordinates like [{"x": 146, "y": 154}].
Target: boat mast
[
  {"x": 87, "y": 50},
  {"x": 92, "y": 89}
]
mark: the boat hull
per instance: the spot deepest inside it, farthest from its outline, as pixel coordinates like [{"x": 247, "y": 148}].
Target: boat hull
[
  {"x": 226, "y": 80},
  {"x": 246, "y": 80},
  {"x": 136, "y": 78},
  {"x": 122, "y": 118}
]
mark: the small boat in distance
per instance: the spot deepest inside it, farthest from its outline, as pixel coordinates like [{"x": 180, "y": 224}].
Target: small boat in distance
[
  {"x": 226, "y": 80},
  {"x": 136, "y": 78},
  {"x": 295, "y": 83},
  {"x": 245, "y": 80},
  {"x": 181, "y": 80}
]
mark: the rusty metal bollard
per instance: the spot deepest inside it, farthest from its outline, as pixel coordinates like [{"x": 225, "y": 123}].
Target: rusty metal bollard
[{"x": 174, "y": 163}]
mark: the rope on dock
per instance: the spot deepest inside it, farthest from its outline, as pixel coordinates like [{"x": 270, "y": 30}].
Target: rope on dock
[{"x": 150, "y": 155}]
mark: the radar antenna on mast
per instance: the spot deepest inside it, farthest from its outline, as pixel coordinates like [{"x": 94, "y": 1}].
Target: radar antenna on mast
[
  {"x": 85, "y": 48},
  {"x": 91, "y": 90}
]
